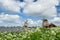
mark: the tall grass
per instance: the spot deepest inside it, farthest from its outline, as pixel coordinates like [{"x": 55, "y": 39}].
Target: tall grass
[{"x": 38, "y": 34}]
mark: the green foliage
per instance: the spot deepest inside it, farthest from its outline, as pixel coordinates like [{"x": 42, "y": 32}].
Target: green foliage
[{"x": 38, "y": 34}]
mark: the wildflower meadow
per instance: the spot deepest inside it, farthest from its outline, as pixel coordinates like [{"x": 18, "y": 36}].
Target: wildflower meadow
[{"x": 38, "y": 34}]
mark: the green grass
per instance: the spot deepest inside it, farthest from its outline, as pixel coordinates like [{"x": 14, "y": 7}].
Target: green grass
[{"x": 39, "y": 34}]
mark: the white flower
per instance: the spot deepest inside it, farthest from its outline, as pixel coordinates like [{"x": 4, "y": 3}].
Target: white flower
[
  {"x": 10, "y": 34},
  {"x": 53, "y": 32},
  {"x": 28, "y": 37},
  {"x": 24, "y": 36},
  {"x": 20, "y": 34}
]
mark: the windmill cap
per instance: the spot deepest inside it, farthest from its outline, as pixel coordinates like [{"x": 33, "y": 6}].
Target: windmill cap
[{"x": 45, "y": 20}]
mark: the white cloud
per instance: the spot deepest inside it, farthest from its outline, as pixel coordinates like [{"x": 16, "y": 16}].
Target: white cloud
[
  {"x": 55, "y": 20},
  {"x": 22, "y": 4},
  {"x": 29, "y": 1},
  {"x": 10, "y": 5},
  {"x": 9, "y": 18},
  {"x": 45, "y": 8},
  {"x": 59, "y": 0}
]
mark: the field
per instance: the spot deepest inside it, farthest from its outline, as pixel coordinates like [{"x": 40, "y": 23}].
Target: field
[{"x": 38, "y": 34}]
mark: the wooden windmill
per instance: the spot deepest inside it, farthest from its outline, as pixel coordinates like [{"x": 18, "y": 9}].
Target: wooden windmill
[
  {"x": 45, "y": 23},
  {"x": 25, "y": 24}
]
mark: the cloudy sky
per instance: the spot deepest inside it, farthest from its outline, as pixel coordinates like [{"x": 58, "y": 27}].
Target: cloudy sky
[{"x": 15, "y": 12}]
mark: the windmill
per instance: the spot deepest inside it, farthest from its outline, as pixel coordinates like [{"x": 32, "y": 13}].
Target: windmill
[
  {"x": 25, "y": 24},
  {"x": 45, "y": 23}
]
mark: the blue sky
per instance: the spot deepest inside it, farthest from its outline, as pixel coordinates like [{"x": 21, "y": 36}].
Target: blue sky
[{"x": 15, "y": 12}]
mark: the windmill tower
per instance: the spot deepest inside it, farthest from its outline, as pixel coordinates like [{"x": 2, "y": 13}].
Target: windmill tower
[{"x": 25, "y": 24}]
